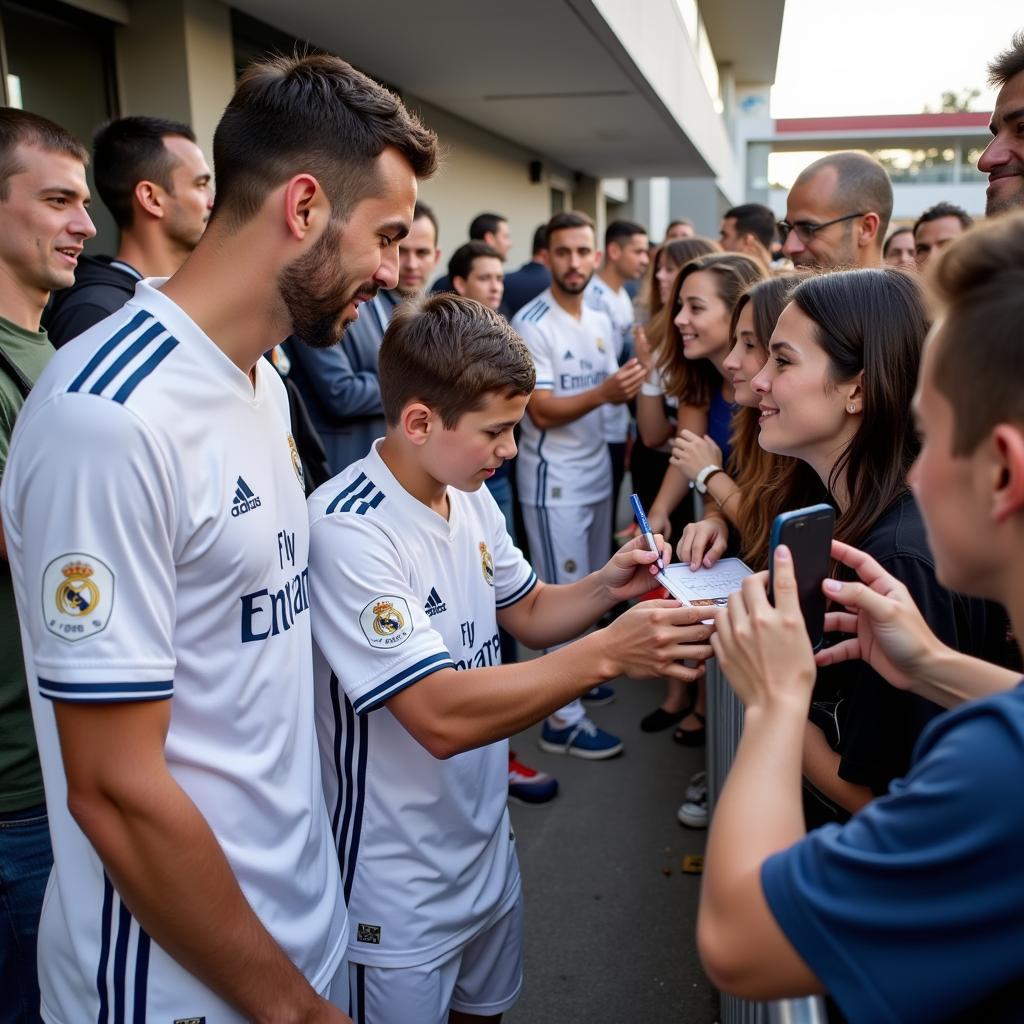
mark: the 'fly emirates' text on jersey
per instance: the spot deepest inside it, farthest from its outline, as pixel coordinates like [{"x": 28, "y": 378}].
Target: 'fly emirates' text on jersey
[
  {"x": 566, "y": 465},
  {"x": 158, "y": 541},
  {"x": 398, "y": 593}
]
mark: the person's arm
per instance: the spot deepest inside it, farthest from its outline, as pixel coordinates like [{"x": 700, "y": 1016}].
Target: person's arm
[
  {"x": 675, "y": 483},
  {"x": 547, "y": 411},
  {"x": 341, "y": 392},
  {"x": 821, "y": 768},
  {"x": 652, "y": 421},
  {"x": 552, "y": 614},
  {"x": 449, "y": 712},
  {"x": 691, "y": 454},
  {"x": 767, "y": 657},
  {"x": 888, "y": 632},
  {"x": 166, "y": 863}
]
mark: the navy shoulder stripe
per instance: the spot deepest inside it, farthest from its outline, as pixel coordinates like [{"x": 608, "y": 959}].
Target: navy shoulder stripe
[
  {"x": 124, "y": 361},
  {"x": 359, "y": 497},
  {"x": 535, "y": 312}
]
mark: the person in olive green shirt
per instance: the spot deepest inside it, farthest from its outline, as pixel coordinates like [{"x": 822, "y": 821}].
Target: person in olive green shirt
[{"x": 44, "y": 224}]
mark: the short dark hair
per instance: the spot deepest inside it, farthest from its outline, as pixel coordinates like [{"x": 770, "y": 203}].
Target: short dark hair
[
  {"x": 892, "y": 235},
  {"x": 940, "y": 210},
  {"x": 312, "y": 113},
  {"x": 1009, "y": 63},
  {"x": 977, "y": 288},
  {"x": 485, "y": 224},
  {"x": 540, "y": 239},
  {"x": 620, "y": 231},
  {"x": 754, "y": 219},
  {"x": 861, "y": 182},
  {"x": 565, "y": 219},
  {"x": 421, "y": 210},
  {"x": 128, "y": 150},
  {"x": 461, "y": 263},
  {"x": 679, "y": 222},
  {"x": 23, "y": 128},
  {"x": 450, "y": 353}
]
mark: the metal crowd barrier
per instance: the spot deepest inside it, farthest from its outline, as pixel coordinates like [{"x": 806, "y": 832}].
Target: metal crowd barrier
[{"x": 724, "y": 725}]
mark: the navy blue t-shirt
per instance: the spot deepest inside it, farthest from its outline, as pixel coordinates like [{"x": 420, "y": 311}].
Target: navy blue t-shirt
[{"x": 914, "y": 910}]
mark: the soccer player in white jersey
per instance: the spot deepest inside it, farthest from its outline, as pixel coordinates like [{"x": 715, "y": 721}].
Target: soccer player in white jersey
[
  {"x": 564, "y": 471},
  {"x": 625, "y": 258},
  {"x": 158, "y": 542},
  {"x": 411, "y": 571}
]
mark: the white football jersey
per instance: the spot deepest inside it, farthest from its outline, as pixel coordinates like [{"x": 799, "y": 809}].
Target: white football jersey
[
  {"x": 618, "y": 307},
  {"x": 158, "y": 539},
  {"x": 566, "y": 465},
  {"x": 426, "y": 850}
]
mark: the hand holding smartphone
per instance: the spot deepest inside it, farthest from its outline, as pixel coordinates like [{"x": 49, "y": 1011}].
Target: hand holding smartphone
[{"x": 807, "y": 532}]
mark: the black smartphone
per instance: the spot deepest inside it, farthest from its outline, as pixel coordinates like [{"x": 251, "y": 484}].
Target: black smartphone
[{"x": 807, "y": 532}]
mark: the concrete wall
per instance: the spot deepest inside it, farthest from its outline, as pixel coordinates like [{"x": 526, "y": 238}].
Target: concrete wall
[
  {"x": 175, "y": 59},
  {"x": 482, "y": 172}
]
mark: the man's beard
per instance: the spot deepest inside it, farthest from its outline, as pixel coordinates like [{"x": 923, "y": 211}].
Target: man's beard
[
  {"x": 1006, "y": 203},
  {"x": 310, "y": 286},
  {"x": 573, "y": 289}
]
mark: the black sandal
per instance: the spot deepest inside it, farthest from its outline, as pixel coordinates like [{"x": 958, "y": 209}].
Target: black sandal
[
  {"x": 660, "y": 719},
  {"x": 691, "y": 737}
]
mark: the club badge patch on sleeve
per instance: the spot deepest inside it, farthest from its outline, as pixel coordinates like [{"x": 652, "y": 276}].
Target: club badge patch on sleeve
[
  {"x": 78, "y": 596},
  {"x": 386, "y": 622}
]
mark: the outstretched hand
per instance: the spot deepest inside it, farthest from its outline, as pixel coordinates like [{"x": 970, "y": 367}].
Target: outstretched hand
[
  {"x": 631, "y": 570},
  {"x": 765, "y": 652},
  {"x": 888, "y": 631}
]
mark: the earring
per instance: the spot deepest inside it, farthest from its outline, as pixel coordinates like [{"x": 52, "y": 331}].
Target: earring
[{"x": 851, "y": 408}]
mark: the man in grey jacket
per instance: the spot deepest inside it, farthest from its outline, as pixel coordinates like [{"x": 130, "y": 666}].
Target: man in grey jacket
[{"x": 340, "y": 384}]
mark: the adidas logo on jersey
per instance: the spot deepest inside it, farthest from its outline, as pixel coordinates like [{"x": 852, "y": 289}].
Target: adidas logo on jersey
[
  {"x": 434, "y": 605},
  {"x": 245, "y": 500},
  {"x": 568, "y": 354}
]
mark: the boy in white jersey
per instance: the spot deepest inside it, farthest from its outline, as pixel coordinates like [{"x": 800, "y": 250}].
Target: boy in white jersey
[
  {"x": 564, "y": 471},
  {"x": 158, "y": 542},
  {"x": 411, "y": 570}
]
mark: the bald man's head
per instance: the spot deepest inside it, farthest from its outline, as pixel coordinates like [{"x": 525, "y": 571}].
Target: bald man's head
[{"x": 850, "y": 189}]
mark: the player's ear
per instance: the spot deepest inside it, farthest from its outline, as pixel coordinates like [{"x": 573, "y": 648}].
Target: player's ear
[{"x": 417, "y": 422}]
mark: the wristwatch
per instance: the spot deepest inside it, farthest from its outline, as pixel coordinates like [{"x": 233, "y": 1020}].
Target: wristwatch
[{"x": 701, "y": 483}]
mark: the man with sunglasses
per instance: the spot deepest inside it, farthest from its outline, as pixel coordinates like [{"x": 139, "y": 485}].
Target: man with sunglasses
[{"x": 837, "y": 213}]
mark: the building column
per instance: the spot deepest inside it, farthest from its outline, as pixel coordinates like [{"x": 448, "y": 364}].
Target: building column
[{"x": 175, "y": 59}]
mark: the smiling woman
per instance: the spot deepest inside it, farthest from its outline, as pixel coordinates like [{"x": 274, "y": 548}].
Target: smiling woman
[{"x": 835, "y": 395}]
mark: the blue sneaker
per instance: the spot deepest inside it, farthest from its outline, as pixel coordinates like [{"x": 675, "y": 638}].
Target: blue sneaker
[
  {"x": 527, "y": 785},
  {"x": 583, "y": 739},
  {"x": 599, "y": 695}
]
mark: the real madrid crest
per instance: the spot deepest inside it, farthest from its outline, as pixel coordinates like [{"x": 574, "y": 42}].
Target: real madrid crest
[
  {"x": 386, "y": 621},
  {"x": 486, "y": 564},
  {"x": 600, "y": 344},
  {"x": 296, "y": 463},
  {"x": 78, "y": 596}
]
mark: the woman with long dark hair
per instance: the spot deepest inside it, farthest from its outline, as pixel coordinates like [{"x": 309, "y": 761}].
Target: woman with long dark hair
[{"x": 835, "y": 396}]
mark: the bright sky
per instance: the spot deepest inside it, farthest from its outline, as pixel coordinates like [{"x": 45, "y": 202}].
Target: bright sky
[{"x": 839, "y": 58}]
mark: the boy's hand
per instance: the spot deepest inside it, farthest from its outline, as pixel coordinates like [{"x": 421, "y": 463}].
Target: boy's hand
[
  {"x": 889, "y": 632},
  {"x": 631, "y": 570},
  {"x": 652, "y": 639},
  {"x": 765, "y": 652}
]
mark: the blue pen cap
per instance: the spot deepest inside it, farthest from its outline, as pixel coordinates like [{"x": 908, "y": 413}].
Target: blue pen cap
[{"x": 638, "y": 511}]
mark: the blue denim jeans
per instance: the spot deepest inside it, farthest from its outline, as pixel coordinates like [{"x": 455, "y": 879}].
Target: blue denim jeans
[{"x": 25, "y": 862}]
